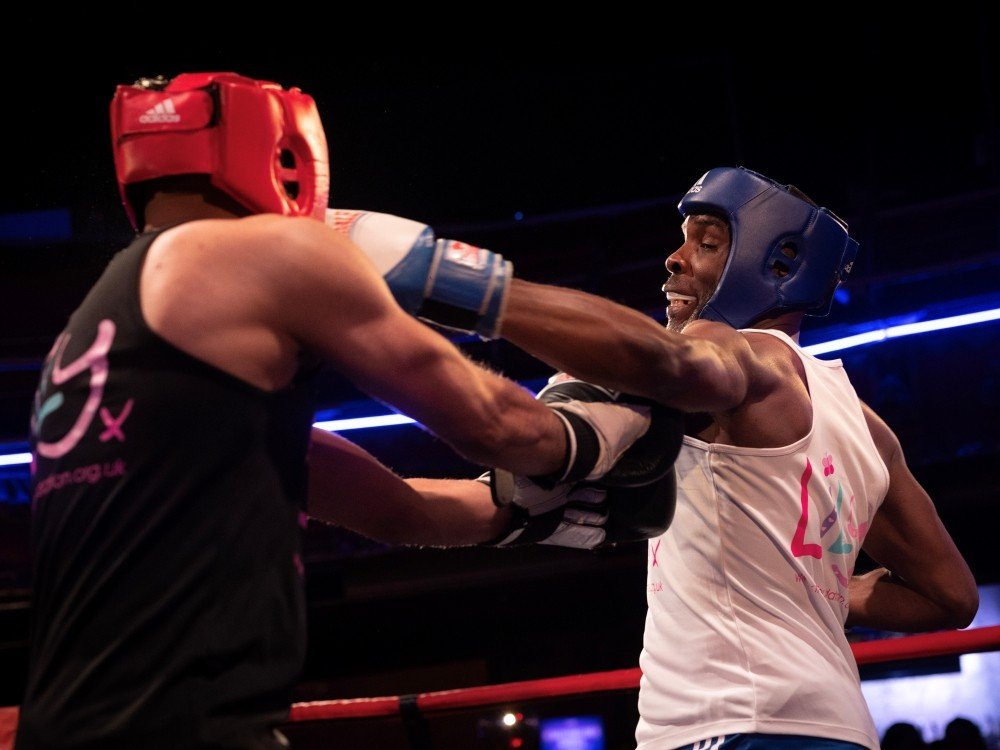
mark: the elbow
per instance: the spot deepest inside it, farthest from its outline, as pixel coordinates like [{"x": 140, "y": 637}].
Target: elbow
[
  {"x": 965, "y": 607},
  {"x": 958, "y": 606}
]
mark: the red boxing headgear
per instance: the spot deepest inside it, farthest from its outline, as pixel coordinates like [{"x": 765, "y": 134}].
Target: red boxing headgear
[{"x": 262, "y": 145}]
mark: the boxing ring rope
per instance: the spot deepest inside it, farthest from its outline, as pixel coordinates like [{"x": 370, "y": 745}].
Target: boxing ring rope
[
  {"x": 924, "y": 645},
  {"x": 920, "y": 646}
]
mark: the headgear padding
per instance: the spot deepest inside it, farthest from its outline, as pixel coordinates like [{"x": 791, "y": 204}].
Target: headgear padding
[
  {"x": 762, "y": 277},
  {"x": 262, "y": 145}
]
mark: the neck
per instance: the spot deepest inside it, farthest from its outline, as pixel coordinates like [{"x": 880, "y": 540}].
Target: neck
[
  {"x": 175, "y": 208},
  {"x": 789, "y": 324}
]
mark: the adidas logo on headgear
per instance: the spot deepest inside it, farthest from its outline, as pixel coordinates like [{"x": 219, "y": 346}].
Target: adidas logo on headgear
[{"x": 162, "y": 112}]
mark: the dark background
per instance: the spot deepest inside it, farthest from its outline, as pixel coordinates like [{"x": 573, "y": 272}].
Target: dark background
[{"x": 568, "y": 155}]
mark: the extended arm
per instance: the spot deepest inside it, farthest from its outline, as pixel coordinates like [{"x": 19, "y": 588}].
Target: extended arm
[
  {"x": 249, "y": 295},
  {"x": 925, "y": 583},
  {"x": 470, "y": 288},
  {"x": 598, "y": 340},
  {"x": 338, "y": 306},
  {"x": 633, "y": 501},
  {"x": 350, "y": 488}
]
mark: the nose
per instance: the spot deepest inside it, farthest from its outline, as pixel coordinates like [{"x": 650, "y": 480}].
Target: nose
[{"x": 676, "y": 262}]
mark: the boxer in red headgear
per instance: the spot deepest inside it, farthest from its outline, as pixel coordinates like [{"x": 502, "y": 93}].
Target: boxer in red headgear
[
  {"x": 172, "y": 420},
  {"x": 260, "y": 144}
]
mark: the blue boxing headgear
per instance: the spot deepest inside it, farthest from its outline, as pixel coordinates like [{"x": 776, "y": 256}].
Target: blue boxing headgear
[{"x": 786, "y": 253}]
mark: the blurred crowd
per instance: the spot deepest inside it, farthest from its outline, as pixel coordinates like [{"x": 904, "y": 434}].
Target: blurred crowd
[{"x": 959, "y": 734}]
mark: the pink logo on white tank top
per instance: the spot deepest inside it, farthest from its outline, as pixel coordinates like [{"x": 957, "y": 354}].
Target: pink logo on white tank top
[
  {"x": 848, "y": 527},
  {"x": 799, "y": 546},
  {"x": 839, "y": 518}
]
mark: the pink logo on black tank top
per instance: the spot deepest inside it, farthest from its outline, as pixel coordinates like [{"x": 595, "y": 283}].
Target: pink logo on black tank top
[
  {"x": 49, "y": 399},
  {"x": 114, "y": 424},
  {"x": 94, "y": 359}
]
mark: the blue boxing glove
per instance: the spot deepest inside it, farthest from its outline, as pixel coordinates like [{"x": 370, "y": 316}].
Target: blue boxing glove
[{"x": 450, "y": 283}]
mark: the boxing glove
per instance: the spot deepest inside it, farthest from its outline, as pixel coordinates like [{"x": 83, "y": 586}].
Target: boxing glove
[
  {"x": 627, "y": 492},
  {"x": 447, "y": 282},
  {"x": 582, "y": 516},
  {"x": 621, "y": 448},
  {"x": 566, "y": 515}
]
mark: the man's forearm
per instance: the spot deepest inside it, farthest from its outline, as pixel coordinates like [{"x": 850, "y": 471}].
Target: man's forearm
[
  {"x": 593, "y": 338},
  {"x": 349, "y": 487},
  {"x": 880, "y": 600},
  {"x": 600, "y": 341},
  {"x": 457, "y": 512}
]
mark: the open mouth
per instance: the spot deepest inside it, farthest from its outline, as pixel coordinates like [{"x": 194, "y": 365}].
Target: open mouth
[{"x": 677, "y": 301}]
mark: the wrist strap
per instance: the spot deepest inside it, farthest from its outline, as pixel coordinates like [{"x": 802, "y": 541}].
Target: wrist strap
[{"x": 582, "y": 450}]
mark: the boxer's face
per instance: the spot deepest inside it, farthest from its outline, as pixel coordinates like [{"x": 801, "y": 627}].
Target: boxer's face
[{"x": 695, "y": 268}]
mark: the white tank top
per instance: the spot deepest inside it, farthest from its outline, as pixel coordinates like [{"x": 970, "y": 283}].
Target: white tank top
[{"x": 747, "y": 589}]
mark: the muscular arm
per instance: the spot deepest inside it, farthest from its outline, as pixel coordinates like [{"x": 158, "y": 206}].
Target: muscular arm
[
  {"x": 247, "y": 295},
  {"x": 925, "y": 583},
  {"x": 703, "y": 369},
  {"x": 350, "y": 488},
  {"x": 337, "y": 305}
]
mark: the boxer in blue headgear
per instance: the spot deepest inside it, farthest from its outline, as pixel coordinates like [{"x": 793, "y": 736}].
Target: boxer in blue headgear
[
  {"x": 782, "y": 478},
  {"x": 786, "y": 253}
]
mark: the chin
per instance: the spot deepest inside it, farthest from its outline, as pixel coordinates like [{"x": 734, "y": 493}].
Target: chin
[{"x": 676, "y": 325}]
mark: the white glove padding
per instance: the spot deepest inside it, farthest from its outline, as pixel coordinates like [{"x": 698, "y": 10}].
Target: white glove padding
[
  {"x": 384, "y": 238},
  {"x": 525, "y": 493},
  {"x": 615, "y": 425},
  {"x": 583, "y": 520},
  {"x": 627, "y": 446},
  {"x": 565, "y": 516},
  {"x": 600, "y": 426},
  {"x": 584, "y": 516},
  {"x": 451, "y": 283}
]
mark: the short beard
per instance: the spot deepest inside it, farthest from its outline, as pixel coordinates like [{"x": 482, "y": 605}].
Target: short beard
[{"x": 678, "y": 327}]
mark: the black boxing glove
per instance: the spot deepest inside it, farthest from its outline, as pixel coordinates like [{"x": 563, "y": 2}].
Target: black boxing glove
[
  {"x": 582, "y": 516},
  {"x": 566, "y": 515},
  {"x": 600, "y": 426},
  {"x": 634, "y": 499}
]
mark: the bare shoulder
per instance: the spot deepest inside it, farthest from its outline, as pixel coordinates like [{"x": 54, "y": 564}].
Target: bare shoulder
[
  {"x": 252, "y": 239},
  {"x": 726, "y": 340},
  {"x": 245, "y": 295},
  {"x": 768, "y": 405},
  {"x": 766, "y": 361},
  {"x": 768, "y": 348},
  {"x": 773, "y": 364},
  {"x": 263, "y": 254}
]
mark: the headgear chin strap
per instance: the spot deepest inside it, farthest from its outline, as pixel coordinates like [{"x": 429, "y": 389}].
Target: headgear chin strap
[
  {"x": 261, "y": 144},
  {"x": 786, "y": 253}
]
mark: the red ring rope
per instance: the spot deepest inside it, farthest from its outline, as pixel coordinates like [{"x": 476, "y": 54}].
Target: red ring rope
[{"x": 868, "y": 652}]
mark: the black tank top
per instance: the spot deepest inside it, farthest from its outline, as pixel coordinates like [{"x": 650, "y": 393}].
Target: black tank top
[{"x": 167, "y": 495}]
